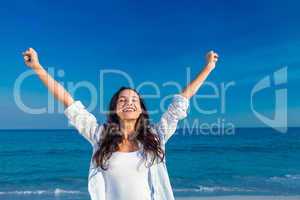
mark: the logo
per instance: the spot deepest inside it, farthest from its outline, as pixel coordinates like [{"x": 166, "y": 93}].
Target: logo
[{"x": 279, "y": 122}]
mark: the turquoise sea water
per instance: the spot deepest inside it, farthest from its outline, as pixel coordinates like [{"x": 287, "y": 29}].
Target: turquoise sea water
[{"x": 53, "y": 164}]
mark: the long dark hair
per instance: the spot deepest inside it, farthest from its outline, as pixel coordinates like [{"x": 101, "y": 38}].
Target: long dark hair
[{"x": 112, "y": 136}]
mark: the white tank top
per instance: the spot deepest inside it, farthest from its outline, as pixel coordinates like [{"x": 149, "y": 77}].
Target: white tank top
[{"x": 127, "y": 177}]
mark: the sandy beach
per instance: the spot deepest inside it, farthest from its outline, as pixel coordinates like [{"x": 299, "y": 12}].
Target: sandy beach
[{"x": 242, "y": 198}]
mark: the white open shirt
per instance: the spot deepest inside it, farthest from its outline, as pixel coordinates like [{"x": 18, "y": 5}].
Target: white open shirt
[{"x": 88, "y": 127}]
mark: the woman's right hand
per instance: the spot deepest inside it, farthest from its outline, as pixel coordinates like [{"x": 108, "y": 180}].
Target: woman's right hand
[
  {"x": 31, "y": 58},
  {"x": 59, "y": 92}
]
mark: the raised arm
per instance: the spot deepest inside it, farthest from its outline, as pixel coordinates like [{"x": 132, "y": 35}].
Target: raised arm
[
  {"x": 78, "y": 116},
  {"x": 177, "y": 110},
  {"x": 32, "y": 61},
  {"x": 193, "y": 87}
]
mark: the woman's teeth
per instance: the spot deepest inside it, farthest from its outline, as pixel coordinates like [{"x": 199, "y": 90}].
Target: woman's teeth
[{"x": 129, "y": 110}]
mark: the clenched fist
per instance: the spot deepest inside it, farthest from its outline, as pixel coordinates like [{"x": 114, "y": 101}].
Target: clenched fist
[
  {"x": 31, "y": 58},
  {"x": 211, "y": 59}
]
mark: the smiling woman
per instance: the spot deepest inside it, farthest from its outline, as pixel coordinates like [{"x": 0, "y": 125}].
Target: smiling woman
[
  {"x": 127, "y": 128},
  {"x": 128, "y": 105},
  {"x": 128, "y": 151}
]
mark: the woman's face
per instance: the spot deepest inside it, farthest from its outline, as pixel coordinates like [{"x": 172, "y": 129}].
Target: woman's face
[{"x": 128, "y": 105}]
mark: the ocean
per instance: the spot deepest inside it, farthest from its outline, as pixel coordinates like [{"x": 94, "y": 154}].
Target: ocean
[{"x": 53, "y": 164}]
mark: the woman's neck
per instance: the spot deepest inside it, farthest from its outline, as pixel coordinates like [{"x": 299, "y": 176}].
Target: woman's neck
[{"x": 128, "y": 128}]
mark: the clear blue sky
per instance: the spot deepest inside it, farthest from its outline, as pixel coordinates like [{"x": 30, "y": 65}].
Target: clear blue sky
[{"x": 151, "y": 41}]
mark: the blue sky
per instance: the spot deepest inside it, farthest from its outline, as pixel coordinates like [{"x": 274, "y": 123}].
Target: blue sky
[{"x": 151, "y": 41}]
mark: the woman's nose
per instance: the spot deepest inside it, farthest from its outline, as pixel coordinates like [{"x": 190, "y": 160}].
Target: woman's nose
[{"x": 129, "y": 102}]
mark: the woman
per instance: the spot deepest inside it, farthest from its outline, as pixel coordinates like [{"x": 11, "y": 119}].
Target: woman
[{"x": 128, "y": 161}]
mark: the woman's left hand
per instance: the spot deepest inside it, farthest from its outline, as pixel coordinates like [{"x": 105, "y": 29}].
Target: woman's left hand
[
  {"x": 211, "y": 59},
  {"x": 194, "y": 85}
]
